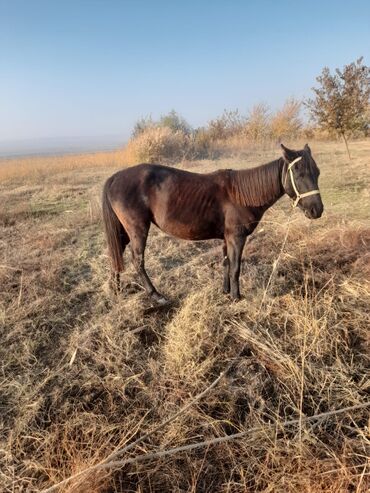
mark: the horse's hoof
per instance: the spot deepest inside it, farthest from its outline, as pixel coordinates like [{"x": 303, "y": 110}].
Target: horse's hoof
[
  {"x": 159, "y": 299},
  {"x": 159, "y": 303}
]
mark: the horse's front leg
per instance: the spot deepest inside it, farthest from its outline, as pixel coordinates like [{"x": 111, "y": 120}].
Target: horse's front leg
[
  {"x": 226, "y": 264},
  {"x": 235, "y": 244}
]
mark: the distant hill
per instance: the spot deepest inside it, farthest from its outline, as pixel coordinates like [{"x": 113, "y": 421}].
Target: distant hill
[{"x": 59, "y": 145}]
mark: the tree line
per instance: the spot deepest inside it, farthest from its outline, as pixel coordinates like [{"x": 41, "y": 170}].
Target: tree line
[{"x": 339, "y": 107}]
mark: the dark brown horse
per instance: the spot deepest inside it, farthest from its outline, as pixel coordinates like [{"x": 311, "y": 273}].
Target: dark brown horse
[{"x": 226, "y": 204}]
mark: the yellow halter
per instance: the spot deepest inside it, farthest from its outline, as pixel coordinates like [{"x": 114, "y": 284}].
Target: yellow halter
[{"x": 299, "y": 196}]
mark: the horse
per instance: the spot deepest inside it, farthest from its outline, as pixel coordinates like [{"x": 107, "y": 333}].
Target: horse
[{"x": 226, "y": 204}]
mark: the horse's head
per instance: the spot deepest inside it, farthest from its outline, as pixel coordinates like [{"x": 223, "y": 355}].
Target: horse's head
[{"x": 300, "y": 181}]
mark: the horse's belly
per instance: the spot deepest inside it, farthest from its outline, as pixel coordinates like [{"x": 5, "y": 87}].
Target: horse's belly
[
  {"x": 190, "y": 216},
  {"x": 204, "y": 231}
]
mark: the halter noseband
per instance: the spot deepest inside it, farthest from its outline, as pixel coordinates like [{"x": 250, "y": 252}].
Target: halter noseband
[{"x": 299, "y": 196}]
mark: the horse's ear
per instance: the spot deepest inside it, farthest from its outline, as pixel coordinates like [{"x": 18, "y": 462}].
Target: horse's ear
[
  {"x": 288, "y": 154},
  {"x": 307, "y": 148}
]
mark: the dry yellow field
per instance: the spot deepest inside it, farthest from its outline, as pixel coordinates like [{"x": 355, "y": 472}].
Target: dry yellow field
[{"x": 84, "y": 372}]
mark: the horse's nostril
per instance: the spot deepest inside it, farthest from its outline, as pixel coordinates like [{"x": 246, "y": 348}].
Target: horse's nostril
[{"x": 312, "y": 211}]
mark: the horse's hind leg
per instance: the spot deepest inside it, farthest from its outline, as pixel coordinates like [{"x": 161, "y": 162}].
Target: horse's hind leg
[
  {"x": 138, "y": 236},
  {"x": 116, "y": 280}
]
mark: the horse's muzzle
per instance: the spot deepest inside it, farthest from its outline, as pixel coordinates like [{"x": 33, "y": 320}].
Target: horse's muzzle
[{"x": 315, "y": 211}]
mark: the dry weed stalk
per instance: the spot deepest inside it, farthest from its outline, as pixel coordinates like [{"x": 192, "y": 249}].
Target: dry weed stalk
[{"x": 112, "y": 464}]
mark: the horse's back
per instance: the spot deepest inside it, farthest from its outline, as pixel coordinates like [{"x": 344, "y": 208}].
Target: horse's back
[{"x": 148, "y": 179}]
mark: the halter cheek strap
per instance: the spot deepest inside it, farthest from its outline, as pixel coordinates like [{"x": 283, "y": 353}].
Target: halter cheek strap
[{"x": 299, "y": 196}]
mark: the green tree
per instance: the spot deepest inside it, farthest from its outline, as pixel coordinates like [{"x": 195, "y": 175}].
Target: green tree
[
  {"x": 141, "y": 125},
  {"x": 175, "y": 122},
  {"x": 172, "y": 120},
  {"x": 341, "y": 102}
]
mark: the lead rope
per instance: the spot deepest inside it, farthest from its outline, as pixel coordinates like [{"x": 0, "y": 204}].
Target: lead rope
[{"x": 299, "y": 196}]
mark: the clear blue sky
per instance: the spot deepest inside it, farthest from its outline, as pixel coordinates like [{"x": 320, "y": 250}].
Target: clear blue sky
[{"x": 92, "y": 68}]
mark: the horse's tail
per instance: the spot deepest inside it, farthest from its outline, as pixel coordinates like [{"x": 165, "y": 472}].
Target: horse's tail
[{"x": 114, "y": 231}]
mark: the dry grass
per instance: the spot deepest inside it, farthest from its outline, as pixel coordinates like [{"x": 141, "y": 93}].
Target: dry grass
[
  {"x": 39, "y": 168},
  {"x": 84, "y": 372}
]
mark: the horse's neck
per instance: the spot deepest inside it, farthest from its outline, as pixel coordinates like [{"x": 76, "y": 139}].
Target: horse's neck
[{"x": 258, "y": 187}]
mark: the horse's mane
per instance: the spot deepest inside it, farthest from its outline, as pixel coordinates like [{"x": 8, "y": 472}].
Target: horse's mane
[{"x": 257, "y": 186}]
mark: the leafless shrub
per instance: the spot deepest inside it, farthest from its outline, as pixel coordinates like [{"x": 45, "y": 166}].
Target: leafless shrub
[
  {"x": 286, "y": 122},
  {"x": 156, "y": 145}
]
